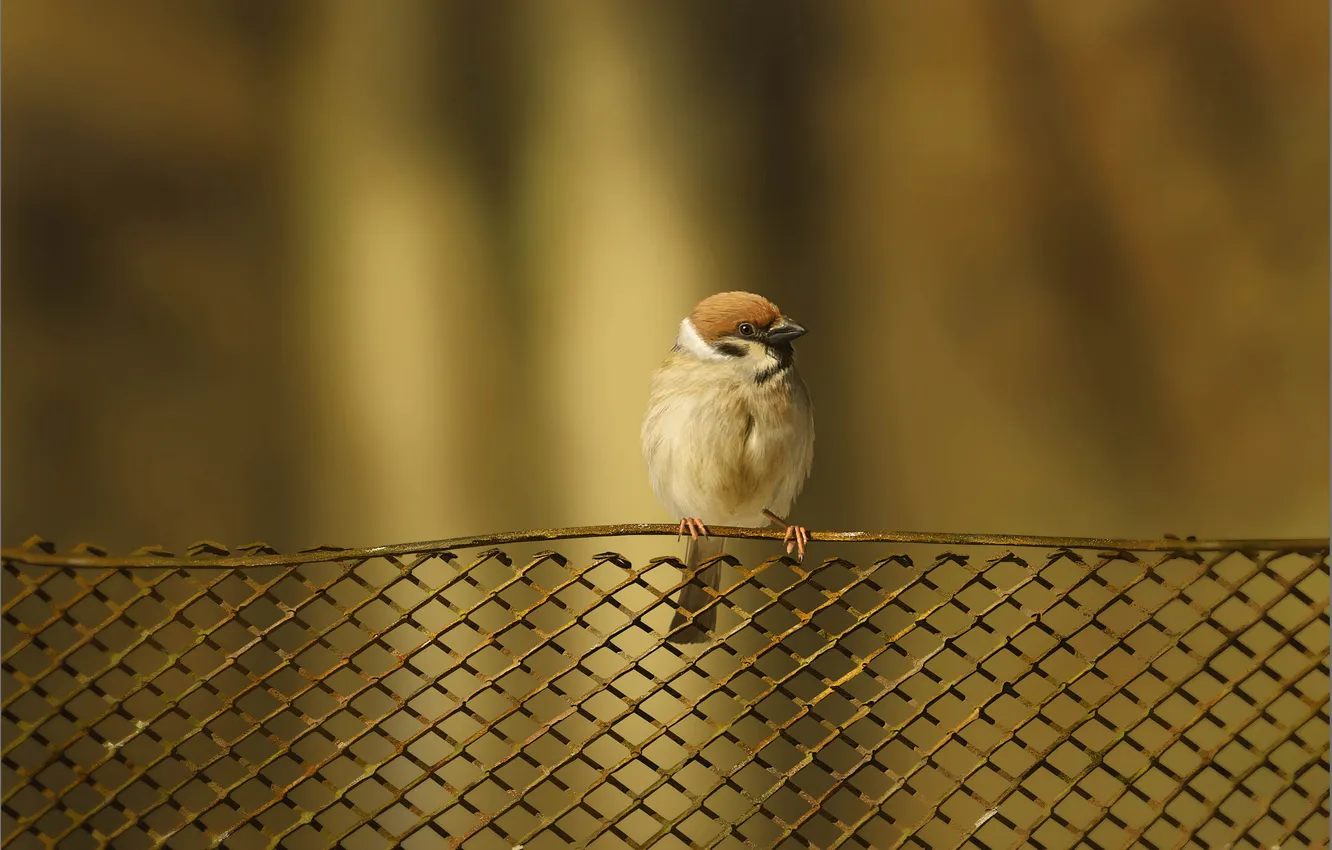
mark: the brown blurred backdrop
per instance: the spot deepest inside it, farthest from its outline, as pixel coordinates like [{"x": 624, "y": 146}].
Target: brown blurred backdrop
[{"x": 368, "y": 273}]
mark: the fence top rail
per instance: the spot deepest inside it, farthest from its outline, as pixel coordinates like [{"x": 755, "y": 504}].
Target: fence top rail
[{"x": 209, "y": 555}]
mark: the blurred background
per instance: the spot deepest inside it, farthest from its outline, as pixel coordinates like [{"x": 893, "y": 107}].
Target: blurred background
[{"x": 370, "y": 273}]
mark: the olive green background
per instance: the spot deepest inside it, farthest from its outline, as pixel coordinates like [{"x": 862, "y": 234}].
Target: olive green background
[{"x": 367, "y": 273}]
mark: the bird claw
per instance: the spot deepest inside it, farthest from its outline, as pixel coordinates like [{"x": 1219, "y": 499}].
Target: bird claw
[
  {"x": 694, "y": 526},
  {"x": 797, "y": 537}
]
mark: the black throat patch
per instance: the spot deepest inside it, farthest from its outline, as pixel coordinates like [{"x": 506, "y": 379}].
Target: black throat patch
[{"x": 785, "y": 356}]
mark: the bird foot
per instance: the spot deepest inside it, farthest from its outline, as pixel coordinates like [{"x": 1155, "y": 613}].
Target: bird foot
[
  {"x": 797, "y": 537},
  {"x": 693, "y": 526}
]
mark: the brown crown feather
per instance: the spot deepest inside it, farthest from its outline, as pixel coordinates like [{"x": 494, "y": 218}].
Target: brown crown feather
[{"x": 718, "y": 315}]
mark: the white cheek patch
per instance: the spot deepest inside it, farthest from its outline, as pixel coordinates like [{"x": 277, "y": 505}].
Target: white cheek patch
[{"x": 690, "y": 341}]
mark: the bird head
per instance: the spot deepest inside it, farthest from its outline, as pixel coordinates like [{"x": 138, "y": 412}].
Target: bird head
[{"x": 743, "y": 329}]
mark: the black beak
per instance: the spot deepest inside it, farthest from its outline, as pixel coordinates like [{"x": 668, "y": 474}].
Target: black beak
[{"x": 784, "y": 331}]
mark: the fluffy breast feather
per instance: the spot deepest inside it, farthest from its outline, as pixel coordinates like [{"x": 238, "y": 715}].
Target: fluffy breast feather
[{"x": 720, "y": 447}]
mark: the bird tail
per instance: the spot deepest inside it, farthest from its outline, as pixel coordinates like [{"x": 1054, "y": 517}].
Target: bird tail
[{"x": 693, "y": 608}]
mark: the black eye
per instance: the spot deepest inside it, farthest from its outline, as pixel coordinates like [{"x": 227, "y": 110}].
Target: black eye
[{"x": 746, "y": 329}]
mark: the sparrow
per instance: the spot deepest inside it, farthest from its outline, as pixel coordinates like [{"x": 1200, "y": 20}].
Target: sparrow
[{"x": 728, "y": 436}]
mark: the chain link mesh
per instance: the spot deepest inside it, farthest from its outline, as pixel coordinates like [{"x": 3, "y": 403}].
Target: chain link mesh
[{"x": 932, "y": 696}]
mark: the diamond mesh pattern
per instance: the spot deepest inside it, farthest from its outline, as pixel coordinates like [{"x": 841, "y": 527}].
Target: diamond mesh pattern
[{"x": 968, "y": 696}]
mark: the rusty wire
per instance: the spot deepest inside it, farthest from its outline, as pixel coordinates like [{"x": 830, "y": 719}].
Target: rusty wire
[{"x": 1008, "y": 691}]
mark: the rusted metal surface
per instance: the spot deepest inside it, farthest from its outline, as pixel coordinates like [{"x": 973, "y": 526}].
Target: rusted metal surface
[
  {"x": 933, "y": 691},
  {"x": 39, "y": 552}
]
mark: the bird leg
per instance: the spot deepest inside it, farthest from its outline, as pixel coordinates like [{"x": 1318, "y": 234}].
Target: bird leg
[
  {"x": 796, "y": 536},
  {"x": 694, "y": 526}
]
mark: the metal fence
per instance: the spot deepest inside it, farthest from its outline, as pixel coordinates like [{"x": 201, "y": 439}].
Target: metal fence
[{"x": 916, "y": 690}]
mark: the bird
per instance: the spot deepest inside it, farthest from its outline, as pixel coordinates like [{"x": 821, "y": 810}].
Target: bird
[{"x": 728, "y": 436}]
